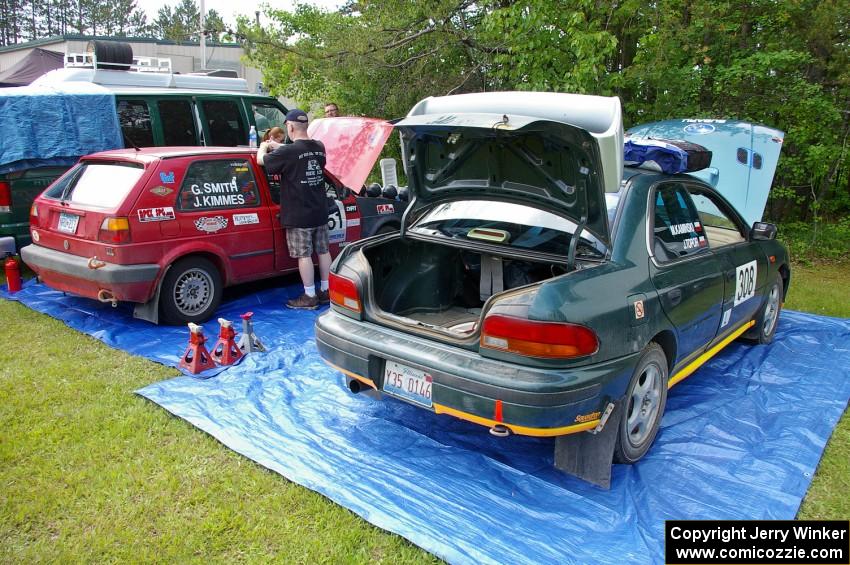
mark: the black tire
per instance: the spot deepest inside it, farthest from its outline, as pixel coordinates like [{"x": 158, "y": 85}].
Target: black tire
[
  {"x": 191, "y": 291},
  {"x": 643, "y": 406},
  {"x": 768, "y": 317}
]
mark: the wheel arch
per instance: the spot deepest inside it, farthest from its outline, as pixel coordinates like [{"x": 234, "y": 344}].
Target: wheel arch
[
  {"x": 785, "y": 273},
  {"x": 667, "y": 341}
]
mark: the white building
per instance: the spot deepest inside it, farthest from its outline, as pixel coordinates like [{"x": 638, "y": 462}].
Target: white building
[{"x": 185, "y": 56}]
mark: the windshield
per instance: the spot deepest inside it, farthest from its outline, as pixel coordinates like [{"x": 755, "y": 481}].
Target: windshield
[
  {"x": 508, "y": 224},
  {"x": 101, "y": 185}
]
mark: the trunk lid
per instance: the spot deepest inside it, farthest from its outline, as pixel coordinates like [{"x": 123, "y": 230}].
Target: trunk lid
[
  {"x": 559, "y": 152},
  {"x": 352, "y": 145},
  {"x": 743, "y": 161}
]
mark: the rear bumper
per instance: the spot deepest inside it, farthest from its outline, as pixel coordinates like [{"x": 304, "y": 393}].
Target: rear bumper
[
  {"x": 536, "y": 402},
  {"x": 71, "y": 273}
]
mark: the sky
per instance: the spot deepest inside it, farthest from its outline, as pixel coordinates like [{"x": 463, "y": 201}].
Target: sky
[{"x": 228, "y": 9}]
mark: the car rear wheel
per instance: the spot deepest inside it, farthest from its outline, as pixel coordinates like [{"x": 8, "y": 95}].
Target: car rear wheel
[
  {"x": 643, "y": 406},
  {"x": 768, "y": 317},
  {"x": 191, "y": 291}
]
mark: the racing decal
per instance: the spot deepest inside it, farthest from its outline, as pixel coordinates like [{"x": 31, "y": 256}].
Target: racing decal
[
  {"x": 213, "y": 194},
  {"x": 167, "y": 178},
  {"x": 639, "y": 313},
  {"x": 35, "y": 236},
  {"x": 245, "y": 219},
  {"x": 679, "y": 229},
  {"x": 694, "y": 242},
  {"x": 582, "y": 418},
  {"x": 211, "y": 225},
  {"x": 352, "y": 222},
  {"x": 161, "y": 190},
  {"x": 385, "y": 208},
  {"x": 745, "y": 281},
  {"x": 352, "y": 208},
  {"x": 725, "y": 320},
  {"x": 697, "y": 227},
  {"x": 156, "y": 214},
  {"x": 336, "y": 224}
]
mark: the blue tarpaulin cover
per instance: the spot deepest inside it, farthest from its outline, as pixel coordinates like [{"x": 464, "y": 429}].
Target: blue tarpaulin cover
[
  {"x": 740, "y": 439},
  {"x": 55, "y": 125}
]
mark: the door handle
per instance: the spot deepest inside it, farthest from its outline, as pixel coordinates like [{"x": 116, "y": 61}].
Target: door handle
[{"x": 675, "y": 296}]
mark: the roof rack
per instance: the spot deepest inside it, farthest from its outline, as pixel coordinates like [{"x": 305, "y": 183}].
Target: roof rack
[{"x": 141, "y": 64}]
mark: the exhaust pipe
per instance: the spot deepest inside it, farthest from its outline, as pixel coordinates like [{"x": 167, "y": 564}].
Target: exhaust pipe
[
  {"x": 356, "y": 386},
  {"x": 500, "y": 431},
  {"x": 106, "y": 296}
]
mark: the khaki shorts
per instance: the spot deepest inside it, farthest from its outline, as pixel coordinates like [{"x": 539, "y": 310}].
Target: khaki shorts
[{"x": 303, "y": 242}]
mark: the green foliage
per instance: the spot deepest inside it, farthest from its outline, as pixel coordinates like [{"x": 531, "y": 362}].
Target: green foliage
[
  {"x": 784, "y": 64},
  {"x": 809, "y": 243}
]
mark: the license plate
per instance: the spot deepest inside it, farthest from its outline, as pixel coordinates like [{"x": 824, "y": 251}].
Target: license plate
[
  {"x": 68, "y": 222},
  {"x": 407, "y": 383}
]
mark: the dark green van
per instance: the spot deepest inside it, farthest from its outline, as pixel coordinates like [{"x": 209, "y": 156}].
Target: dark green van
[{"x": 152, "y": 108}]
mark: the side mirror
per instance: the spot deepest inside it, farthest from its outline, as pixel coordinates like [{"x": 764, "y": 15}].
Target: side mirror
[{"x": 763, "y": 231}]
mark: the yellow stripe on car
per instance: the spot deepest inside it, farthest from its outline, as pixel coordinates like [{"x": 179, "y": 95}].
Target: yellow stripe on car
[
  {"x": 519, "y": 430},
  {"x": 696, "y": 363}
]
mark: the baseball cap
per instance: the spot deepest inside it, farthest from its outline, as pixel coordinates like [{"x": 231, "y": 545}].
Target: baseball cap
[{"x": 296, "y": 115}]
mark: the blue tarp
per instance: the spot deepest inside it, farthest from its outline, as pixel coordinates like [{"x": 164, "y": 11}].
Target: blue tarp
[
  {"x": 740, "y": 439},
  {"x": 55, "y": 125}
]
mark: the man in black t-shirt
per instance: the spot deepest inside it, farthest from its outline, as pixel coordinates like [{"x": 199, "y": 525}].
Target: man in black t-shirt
[{"x": 303, "y": 206}]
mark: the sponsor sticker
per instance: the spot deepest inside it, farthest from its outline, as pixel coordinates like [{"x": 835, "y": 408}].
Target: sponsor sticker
[
  {"x": 385, "y": 208},
  {"x": 245, "y": 219},
  {"x": 161, "y": 190},
  {"x": 212, "y": 224},
  {"x": 156, "y": 214},
  {"x": 352, "y": 222},
  {"x": 167, "y": 178},
  {"x": 725, "y": 320},
  {"x": 639, "y": 312},
  {"x": 699, "y": 129},
  {"x": 352, "y": 208},
  {"x": 581, "y": 418}
]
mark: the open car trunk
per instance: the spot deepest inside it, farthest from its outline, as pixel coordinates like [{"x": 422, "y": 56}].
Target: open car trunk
[{"x": 433, "y": 286}]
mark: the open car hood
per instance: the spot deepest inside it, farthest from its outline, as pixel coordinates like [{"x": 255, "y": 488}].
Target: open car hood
[
  {"x": 352, "y": 145},
  {"x": 743, "y": 161},
  {"x": 559, "y": 152}
]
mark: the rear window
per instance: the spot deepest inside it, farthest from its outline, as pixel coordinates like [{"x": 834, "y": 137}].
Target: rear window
[
  {"x": 509, "y": 224},
  {"x": 100, "y": 185}
]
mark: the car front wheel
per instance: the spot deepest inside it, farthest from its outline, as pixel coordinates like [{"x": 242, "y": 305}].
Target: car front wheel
[
  {"x": 643, "y": 406},
  {"x": 191, "y": 291},
  {"x": 768, "y": 317}
]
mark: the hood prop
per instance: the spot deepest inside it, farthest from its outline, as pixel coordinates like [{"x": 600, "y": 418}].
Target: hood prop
[{"x": 571, "y": 255}]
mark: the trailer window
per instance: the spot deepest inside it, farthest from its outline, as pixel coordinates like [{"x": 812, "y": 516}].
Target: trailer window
[
  {"x": 135, "y": 119},
  {"x": 178, "y": 124}
]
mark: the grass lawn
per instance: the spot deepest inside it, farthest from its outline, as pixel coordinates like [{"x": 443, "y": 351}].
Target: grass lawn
[{"x": 91, "y": 472}]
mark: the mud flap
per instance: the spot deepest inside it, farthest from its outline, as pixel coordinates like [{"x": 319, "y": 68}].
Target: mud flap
[
  {"x": 149, "y": 311},
  {"x": 589, "y": 456}
]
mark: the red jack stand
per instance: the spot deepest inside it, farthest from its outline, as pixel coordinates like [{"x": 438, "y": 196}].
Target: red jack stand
[
  {"x": 225, "y": 351},
  {"x": 248, "y": 341},
  {"x": 196, "y": 358}
]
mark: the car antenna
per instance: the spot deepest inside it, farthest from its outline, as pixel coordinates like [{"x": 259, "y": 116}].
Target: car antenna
[{"x": 130, "y": 141}]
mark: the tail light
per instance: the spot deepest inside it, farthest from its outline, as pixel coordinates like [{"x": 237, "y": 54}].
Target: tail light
[
  {"x": 554, "y": 340},
  {"x": 34, "y": 210},
  {"x": 343, "y": 292},
  {"x": 5, "y": 197},
  {"x": 114, "y": 230}
]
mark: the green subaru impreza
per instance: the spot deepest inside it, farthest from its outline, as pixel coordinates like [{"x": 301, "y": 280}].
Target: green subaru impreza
[{"x": 539, "y": 287}]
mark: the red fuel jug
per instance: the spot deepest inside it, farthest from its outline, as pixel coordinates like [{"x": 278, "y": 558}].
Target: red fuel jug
[{"x": 13, "y": 274}]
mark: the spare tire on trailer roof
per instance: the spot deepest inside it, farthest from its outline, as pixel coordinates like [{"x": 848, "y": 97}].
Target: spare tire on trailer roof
[{"x": 115, "y": 55}]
